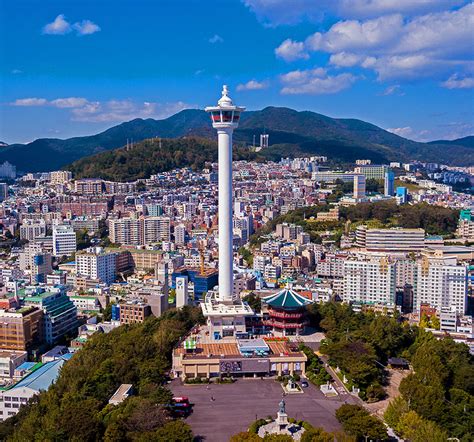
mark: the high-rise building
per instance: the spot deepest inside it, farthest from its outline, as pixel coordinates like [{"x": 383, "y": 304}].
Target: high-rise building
[
  {"x": 60, "y": 176},
  {"x": 3, "y": 191},
  {"x": 390, "y": 240},
  {"x": 372, "y": 171},
  {"x": 139, "y": 231},
  {"x": 359, "y": 187},
  {"x": 155, "y": 229},
  {"x": 64, "y": 240},
  {"x": 180, "y": 234},
  {"x": 96, "y": 263},
  {"x": 31, "y": 229},
  {"x": 21, "y": 329},
  {"x": 7, "y": 170},
  {"x": 389, "y": 183},
  {"x": 402, "y": 195},
  {"x": 369, "y": 281},
  {"x": 442, "y": 284},
  {"x": 59, "y": 313}
]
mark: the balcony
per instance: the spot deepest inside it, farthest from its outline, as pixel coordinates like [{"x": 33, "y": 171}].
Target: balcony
[{"x": 283, "y": 315}]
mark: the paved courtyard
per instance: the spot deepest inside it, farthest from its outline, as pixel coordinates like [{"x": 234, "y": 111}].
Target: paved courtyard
[{"x": 237, "y": 405}]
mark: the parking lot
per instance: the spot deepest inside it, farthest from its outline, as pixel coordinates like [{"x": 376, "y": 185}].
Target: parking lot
[{"x": 236, "y": 406}]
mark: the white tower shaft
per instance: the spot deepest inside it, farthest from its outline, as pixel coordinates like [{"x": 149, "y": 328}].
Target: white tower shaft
[{"x": 225, "y": 215}]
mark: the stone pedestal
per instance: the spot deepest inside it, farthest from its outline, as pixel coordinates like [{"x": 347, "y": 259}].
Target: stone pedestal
[{"x": 282, "y": 420}]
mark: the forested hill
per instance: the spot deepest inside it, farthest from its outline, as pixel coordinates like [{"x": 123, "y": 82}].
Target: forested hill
[
  {"x": 292, "y": 133},
  {"x": 149, "y": 157},
  {"x": 75, "y": 408}
]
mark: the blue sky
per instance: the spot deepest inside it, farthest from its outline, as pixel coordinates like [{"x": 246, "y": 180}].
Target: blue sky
[{"x": 77, "y": 67}]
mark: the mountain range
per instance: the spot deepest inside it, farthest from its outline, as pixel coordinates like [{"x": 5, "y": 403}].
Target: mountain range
[{"x": 291, "y": 133}]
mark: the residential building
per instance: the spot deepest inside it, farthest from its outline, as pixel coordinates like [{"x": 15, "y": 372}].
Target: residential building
[
  {"x": 133, "y": 311},
  {"x": 96, "y": 263},
  {"x": 369, "y": 281},
  {"x": 31, "y": 229},
  {"x": 442, "y": 284},
  {"x": 64, "y": 240},
  {"x": 59, "y": 313},
  {"x": 21, "y": 329}
]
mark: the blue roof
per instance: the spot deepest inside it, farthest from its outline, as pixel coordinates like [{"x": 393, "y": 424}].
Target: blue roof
[
  {"x": 42, "y": 378},
  {"x": 26, "y": 366}
]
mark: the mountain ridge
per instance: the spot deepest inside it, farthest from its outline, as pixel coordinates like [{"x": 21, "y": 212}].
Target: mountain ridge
[{"x": 292, "y": 133}]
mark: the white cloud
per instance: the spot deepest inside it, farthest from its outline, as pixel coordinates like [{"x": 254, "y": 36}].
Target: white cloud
[
  {"x": 69, "y": 102},
  {"x": 16, "y": 71},
  {"x": 458, "y": 82},
  {"x": 315, "y": 82},
  {"x": 404, "y": 132},
  {"x": 345, "y": 59},
  {"x": 86, "y": 27},
  {"x": 216, "y": 39},
  {"x": 252, "y": 85},
  {"x": 125, "y": 110},
  {"x": 430, "y": 45},
  {"x": 281, "y": 12},
  {"x": 353, "y": 35},
  {"x": 30, "y": 102},
  {"x": 372, "y": 8},
  {"x": 291, "y": 50},
  {"x": 393, "y": 90},
  {"x": 59, "y": 26},
  {"x": 109, "y": 111}
]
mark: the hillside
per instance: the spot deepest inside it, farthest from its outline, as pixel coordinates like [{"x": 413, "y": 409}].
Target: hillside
[
  {"x": 75, "y": 408},
  {"x": 148, "y": 157},
  {"x": 292, "y": 133},
  {"x": 465, "y": 141}
]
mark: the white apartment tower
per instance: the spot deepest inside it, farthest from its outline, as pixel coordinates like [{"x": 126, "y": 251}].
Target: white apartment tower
[
  {"x": 369, "y": 281},
  {"x": 95, "y": 263},
  {"x": 442, "y": 284},
  {"x": 64, "y": 240}
]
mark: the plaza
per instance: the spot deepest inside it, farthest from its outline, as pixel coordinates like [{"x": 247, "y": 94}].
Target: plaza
[{"x": 236, "y": 406}]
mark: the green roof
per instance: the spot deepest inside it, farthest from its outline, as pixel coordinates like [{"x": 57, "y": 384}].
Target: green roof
[{"x": 286, "y": 299}]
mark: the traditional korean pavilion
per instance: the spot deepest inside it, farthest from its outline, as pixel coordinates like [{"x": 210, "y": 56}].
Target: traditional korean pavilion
[{"x": 286, "y": 312}]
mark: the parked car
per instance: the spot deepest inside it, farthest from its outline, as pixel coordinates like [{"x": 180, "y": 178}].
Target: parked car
[{"x": 304, "y": 384}]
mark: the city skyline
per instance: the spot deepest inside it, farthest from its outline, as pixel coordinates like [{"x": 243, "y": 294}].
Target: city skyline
[{"x": 380, "y": 62}]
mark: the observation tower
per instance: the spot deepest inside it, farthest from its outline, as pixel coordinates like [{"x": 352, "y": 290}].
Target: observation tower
[{"x": 225, "y": 313}]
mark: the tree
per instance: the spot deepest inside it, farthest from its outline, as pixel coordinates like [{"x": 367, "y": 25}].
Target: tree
[
  {"x": 245, "y": 436},
  {"x": 174, "y": 431},
  {"x": 254, "y": 302},
  {"x": 277, "y": 438},
  {"x": 358, "y": 422},
  {"x": 416, "y": 429},
  {"x": 395, "y": 410}
]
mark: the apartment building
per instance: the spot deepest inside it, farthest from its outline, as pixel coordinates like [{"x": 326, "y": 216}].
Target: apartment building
[
  {"x": 139, "y": 231},
  {"x": 64, "y": 240},
  {"x": 21, "y": 329},
  {"x": 442, "y": 284},
  {"x": 96, "y": 263},
  {"x": 31, "y": 229},
  {"x": 369, "y": 281}
]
